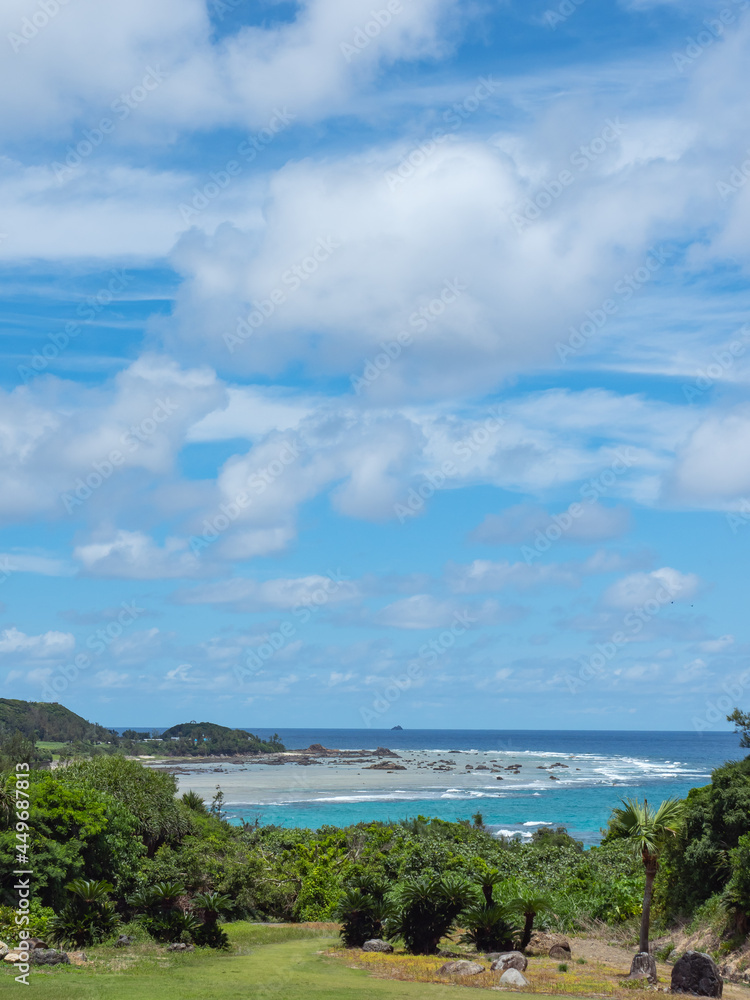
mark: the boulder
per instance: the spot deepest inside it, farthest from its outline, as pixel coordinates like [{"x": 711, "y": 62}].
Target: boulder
[
  {"x": 48, "y": 956},
  {"x": 4, "y": 950},
  {"x": 461, "y": 968},
  {"x": 512, "y": 977},
  {"x": 37, "y": 943},
  {"x": 13, "y": 956},
  {"x": 123, "y": 941},
  {"x": 510, "y": 960},
  {"x": 375, "y": 944},
  {"x": 643, "y": 967},
  {"x": 77, "y": 957},
  {"x": 697, "y": 973},
  {"x": 560, "y": 951},
  {"x": 180, "y": 946},
  {"x": 541, "y": 943}
]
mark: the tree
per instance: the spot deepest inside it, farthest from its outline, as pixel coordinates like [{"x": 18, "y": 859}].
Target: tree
[
  {"x": 741, "y": 722},
  {"x": 528, "y": 904},
  {"x": 213, "y": 904},
  {"x": 648, "y": 831}
]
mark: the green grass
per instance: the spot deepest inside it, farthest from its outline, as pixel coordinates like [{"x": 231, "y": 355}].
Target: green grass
[{"x": 266, "y": 962}]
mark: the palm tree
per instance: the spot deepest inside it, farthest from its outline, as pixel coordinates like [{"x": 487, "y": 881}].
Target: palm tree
[
  {"x": 528, "y": 904},
  {"x": 648, "y": 830}
]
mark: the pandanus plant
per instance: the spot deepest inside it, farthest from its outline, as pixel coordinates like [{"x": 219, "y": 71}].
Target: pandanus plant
[{"x": 648, "y": 830}]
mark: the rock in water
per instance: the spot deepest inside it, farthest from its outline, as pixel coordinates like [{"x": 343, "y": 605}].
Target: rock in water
[
  {"x": 375, "y": 944},
  {"x": 561, "y": 951},
  {"x": 510, "y": 960},
  {"x": 643, "y": 967},
  {"x": 512, "y": 977},
  {"x": 461, "y": 968},
  {"x": 697, "y": 973},
  {"x": 48, "y": 956}
]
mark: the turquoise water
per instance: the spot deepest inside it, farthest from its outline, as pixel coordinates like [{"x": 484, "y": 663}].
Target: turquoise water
[{"x": 613, "y": 765}]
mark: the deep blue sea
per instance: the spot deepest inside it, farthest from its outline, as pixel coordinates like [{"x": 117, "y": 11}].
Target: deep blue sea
[{"x": 609, "y": 766}]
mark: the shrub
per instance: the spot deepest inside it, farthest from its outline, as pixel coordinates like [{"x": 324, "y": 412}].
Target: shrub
[
  {"x": 489, "y": 927},
  {"x": 88, "y": 917},
  {"x": 425, "y": 908}
]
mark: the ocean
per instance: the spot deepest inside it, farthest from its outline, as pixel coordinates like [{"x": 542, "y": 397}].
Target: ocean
[{"x": 594, "y": 771}]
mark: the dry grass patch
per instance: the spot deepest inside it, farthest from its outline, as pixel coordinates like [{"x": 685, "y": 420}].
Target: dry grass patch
[{"x": 594, "y": 979}]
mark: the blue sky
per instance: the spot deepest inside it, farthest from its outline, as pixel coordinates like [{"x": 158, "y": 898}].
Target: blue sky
[{"x": 378, "y": 364}]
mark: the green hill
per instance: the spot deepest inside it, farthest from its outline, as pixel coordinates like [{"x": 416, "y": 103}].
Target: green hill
[
  {"x": 211, "y": 738},
  {"x": 41, "y": 720}
]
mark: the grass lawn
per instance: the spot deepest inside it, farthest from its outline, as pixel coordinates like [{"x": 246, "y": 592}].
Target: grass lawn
[{"x": 268, "y": 962}]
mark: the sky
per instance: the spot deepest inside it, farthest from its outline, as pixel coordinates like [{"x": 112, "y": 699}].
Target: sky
[{"x": 376, "y": 362}]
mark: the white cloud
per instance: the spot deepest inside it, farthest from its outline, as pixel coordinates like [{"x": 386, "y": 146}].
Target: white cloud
[
  {"x": 714, "y": 466},
  {"x": 278, "y": 595},
  {"x": 133, "y": 555},
  {"x": 483, "y": 575},
  {"x": 663, "y": 585},
  {"x": 719, "y": 645},
  {"x": 48, "y": 645}
]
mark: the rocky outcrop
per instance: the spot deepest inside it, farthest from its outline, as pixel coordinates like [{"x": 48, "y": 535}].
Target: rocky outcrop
[
  {"x": 697, "y": 973},
  {"x": 383, "y": 765}
]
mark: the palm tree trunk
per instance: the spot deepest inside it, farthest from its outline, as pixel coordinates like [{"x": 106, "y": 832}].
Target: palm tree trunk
[
  {"x": 527, "y": 929},
  {"x": 648, "y": 893}
]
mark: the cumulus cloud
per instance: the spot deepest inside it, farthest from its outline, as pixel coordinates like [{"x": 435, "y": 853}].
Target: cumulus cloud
[
  {"x": 663, "y": 585},
  {"x": 47, "y": 646}
]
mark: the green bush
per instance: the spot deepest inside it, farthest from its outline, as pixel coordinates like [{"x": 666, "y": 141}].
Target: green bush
[{"x": 88, "y": 917}]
